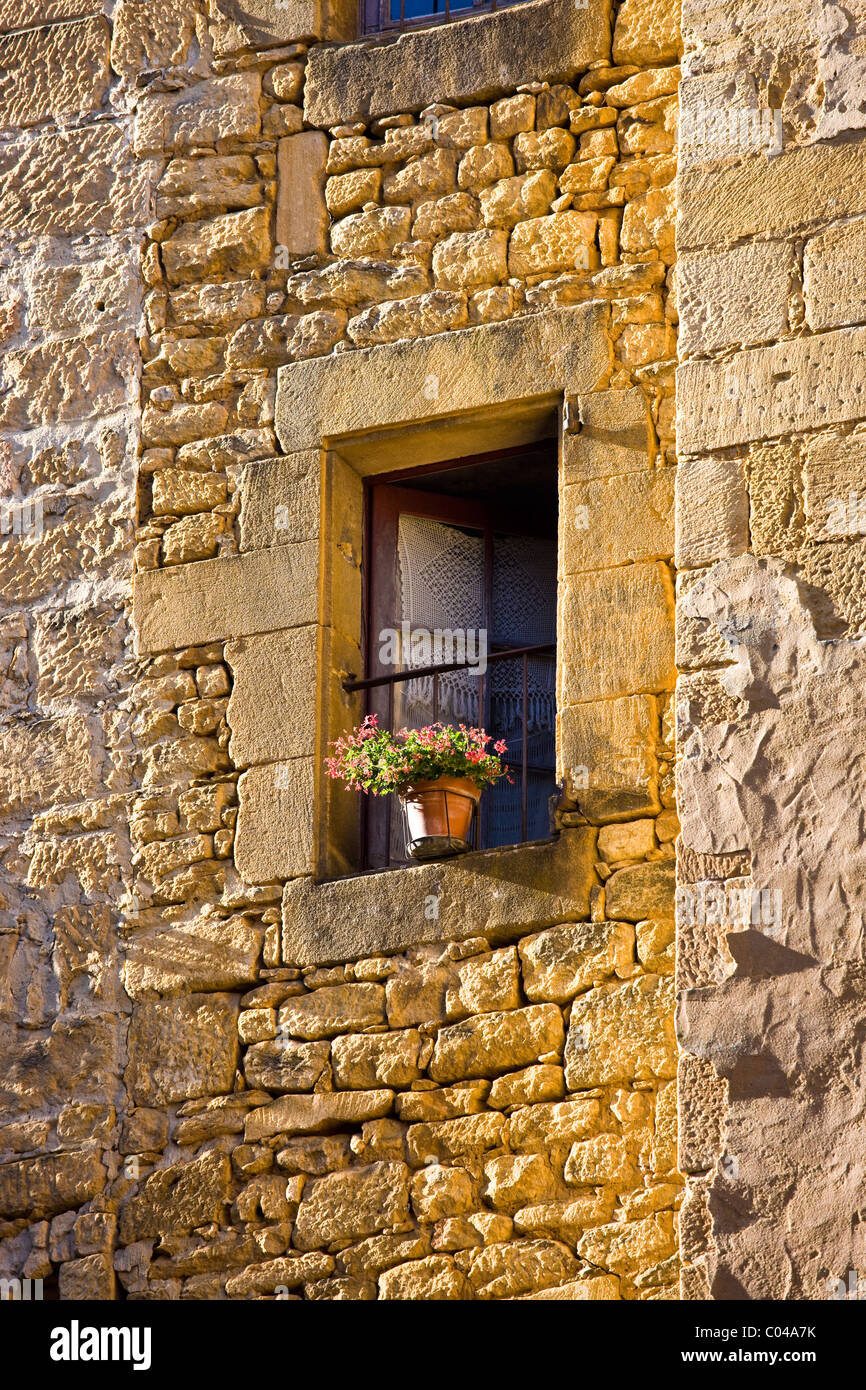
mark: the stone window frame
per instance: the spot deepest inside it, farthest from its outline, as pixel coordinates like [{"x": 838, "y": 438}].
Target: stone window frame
[{"x": 288, "y": 605}]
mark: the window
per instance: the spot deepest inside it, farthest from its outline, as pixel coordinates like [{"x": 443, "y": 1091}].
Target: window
[
  {"x": 379, "y": 16},
  {"x": 461, "y": 574}
]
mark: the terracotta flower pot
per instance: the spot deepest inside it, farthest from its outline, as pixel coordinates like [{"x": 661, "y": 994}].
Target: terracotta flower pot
[{"x": 438, "y": 816}]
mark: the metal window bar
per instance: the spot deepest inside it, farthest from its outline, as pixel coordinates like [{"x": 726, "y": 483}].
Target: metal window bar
[
  {"x": 351, "y": 685},
  {"x": 379, "y": 17}
]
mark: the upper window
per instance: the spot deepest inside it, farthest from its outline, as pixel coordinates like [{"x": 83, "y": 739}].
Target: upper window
[
  {"x": 461, "y": 573},
  {"x": 379, "y": 16}
]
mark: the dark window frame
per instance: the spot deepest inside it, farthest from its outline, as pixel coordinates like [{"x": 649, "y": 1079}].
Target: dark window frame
[
  {"x": 379, "y": 547},
  {"x": 375, "y": 15}
]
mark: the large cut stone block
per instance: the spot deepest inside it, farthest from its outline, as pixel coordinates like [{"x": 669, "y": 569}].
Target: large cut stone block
[
  {"x": 607, "y": 752},
  {"x": 801, "y": 384},
  {"x": 634, "y": 607},
  {"x": 256, "y": 24},
  {"x": 832, "y": 286},
  {"x": 56, "y": 73},
  {"x": 736, "y": 296},
  {"x": 494, "y": 1043},
  {"x": 280, "y": 500},
  {"x": 183, "y": 1048},
  {"x": 47, "y": 760},
  {"x": 353, "y": 1204},
  {"x": 478, "y": 58},
  {"x": 565, "y": 961},
  {"x": 178, "y": 1198},
  {"x": 619, "y": 520},
  {"x": 541, "y": 354},
  {"x": 234, "y": 596},
  {"x": 274, "y": 835},
  {"x": 271, "y": 712},
  {"x": 205, "y": 954},
  {"x": 622, "y": 1033},
  {"x": 72, "y": 181},
  {"x": 712, "y": 511},
  {"x": 615, "y": 436},
  {"x": 225, "y": 108},
  {"x": 718, "y": 204},
  {"x": 302, "y": 217},
  {"x": 149, "y": 34},
  {"x": 499, "y": 893},
  {"x": 40, "y": 1187}
]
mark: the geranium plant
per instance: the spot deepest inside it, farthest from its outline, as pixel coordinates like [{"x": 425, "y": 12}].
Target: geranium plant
[{"x": 373, "y": 760}]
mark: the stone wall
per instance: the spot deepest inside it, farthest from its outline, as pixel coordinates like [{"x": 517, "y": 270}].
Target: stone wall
[
  {"x": 479, "y": 1103},
  {"x": 770, "y": 646}
]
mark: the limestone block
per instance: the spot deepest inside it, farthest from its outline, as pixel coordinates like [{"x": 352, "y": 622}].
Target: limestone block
[
  {"x": 607, "y": 1158},
  {"x": 698, "y": 641},
  {"x": 224, "y": 108},
  {"x": 601, "y": 1288},
  {"x": 384, "y": 1059},
  {"x": 527, "y": 1087},
  {"x": 73, "y": 181},
  {"x": 18, "y": 16},
  {"x": 426, "y": 176},
  {"x": 47, "y": 760},
  {"x": 350, "y": 191},
  {"x": 832, "y": 289},
  {"x": 447, "y": 1103},
  {"x": 516, "y": 1180},
  {"x": 181, "y": 424},
  {"x": 736, "y": 296},
  {"x": 615, "y": 436},
  {"x": 279, "y": 501},
  {"x": 182, "y": 491},
  {"x": 624, "y": 519},
  {"x": 370, "y": 235},
  {"x": 41, "y": 1187},
  {"x": 282, "y": 1065},
  {"x": 467, "y": 1137},
  {"x": 466, "y": 260},
  {"x": 234, "y": 596},
  {"x": 702, "y": 1105},
  {"x": 194, "y": 538},
  {"x": 550, "y": 149},
  {"x": 270, "y": 712},
  {"x": 538, "y": 1128},
  {"x": 500, "y": 893},
  {"x": 834, "y": 481},
  {"x": 439, "y": 1192},
  {"x": 485, "y": 984},
  {"x": 717, "y": 204},
  {"x": 483, "y": 165},
  {"x": 436, "y": 1278},
  {"x": 233, "y": 244},
  {"x": 216, "y": 306},
  {"x": 647, "y": 31},
  {"x": 509, "y": 1268},
  {"x": 546, "y": 245},
  {"x": 648, "y": 223},
  {"x": 287, "y": 1272},
  {"x": 626, "y": 1247},
  {"x": 182, "y": 957},
  {"x": 761, "y": 393},
  {"x": 496, "y": 1042},
  {"x": 210, "y": 184},
  {"x": 631, "y": 841},
  {"x": 348, "y": 282},
  {"x": 182, "y": 1048},
  {"x": 439, "y": 312},
  {"x": 564, "y": 961},
  {"x": 64, "y": 287},
  {"x": 461, "y": 62},
  {"x": 712, "y": 511},
  {"x": 87, "y": 1279},
  {"x": 622, "y": 1033},
  {"x": 148, "y": 34},
  {"x": 274, "y": 832},
  {"x": 538, "y": 355},
  {"x": 316, "y": 1114},
  {"x": 333, "y": 1010},
  {"x": 74, "y": 380},
  {"x": 435, "y": 218},
  {"x": 643, "y": 890},
  {"x": 177, "y": 1198},
  {"x": 56, "y": 73},
  {"x": 634, "y": 606},
  {"x": 516, "y": 199},
  {"x": 511, "y": 115},
  {"x": 258, "y": 24},
  {"x": 302, "y": 216}
]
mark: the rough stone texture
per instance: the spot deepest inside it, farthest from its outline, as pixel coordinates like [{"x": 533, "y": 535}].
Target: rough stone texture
[
  {"x": 182, "y": 1048},
  {"x": 53, "y": 73}
]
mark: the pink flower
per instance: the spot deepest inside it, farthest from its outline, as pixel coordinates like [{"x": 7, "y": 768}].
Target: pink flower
[{"x": 501, "y": 746}]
